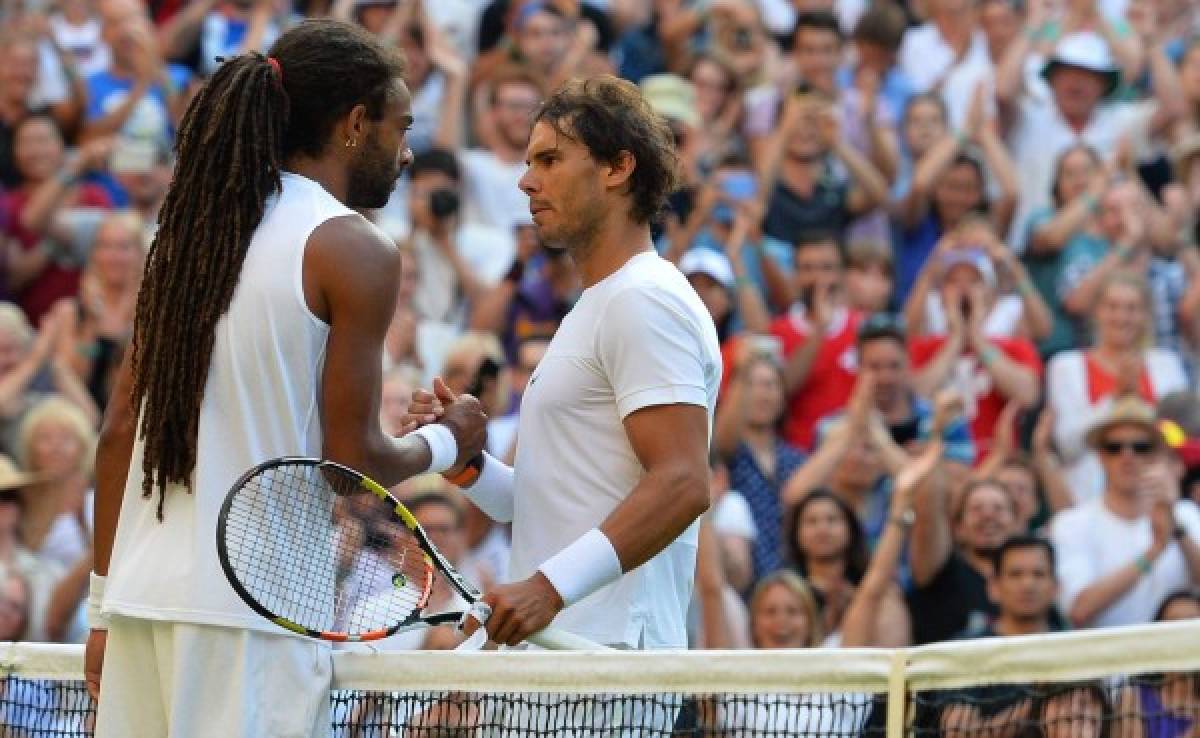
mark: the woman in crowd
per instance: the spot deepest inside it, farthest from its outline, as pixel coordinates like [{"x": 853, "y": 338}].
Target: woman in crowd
[
  {"x": 1081, "y": 383},
  {"x": 949, "y": 183},
  {"x": 1018, "y": 314},
  {"x": 746, "y": 435},
  {"x": 32, "y": 364},
  {"x": 828, "y": 548},
  {"x": 57, "y": 442},
  {"x": 101, "y": 318},
  {"x": 39, "y": 273},
  {"x": 39, "y": 573},
  {"x": 1080, "y": 179},
  {"x": 784, "y": 614},
  {"x": 719, "y": 104}
]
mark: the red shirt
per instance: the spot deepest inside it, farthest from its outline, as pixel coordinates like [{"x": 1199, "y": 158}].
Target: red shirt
[
  {"x": 1102, "y": 384},
  {"x": 984, "y": 402},
  {"x": 833, "y": 373},
  {"x": 55, "y": 282}
]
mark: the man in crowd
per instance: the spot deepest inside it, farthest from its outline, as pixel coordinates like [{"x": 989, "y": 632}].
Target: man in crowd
[{"x": 1122, "y": 553}]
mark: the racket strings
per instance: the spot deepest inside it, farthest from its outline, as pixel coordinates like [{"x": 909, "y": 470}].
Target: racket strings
[{"x": 310, "y": 545}]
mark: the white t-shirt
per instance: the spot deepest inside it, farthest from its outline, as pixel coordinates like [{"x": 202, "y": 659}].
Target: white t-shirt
[
  {"x": 1091, "y": 542},
  {"x": 82, "y": 43},
  {"x": 927, "y": 60},
  {"x": 638, "y": 338},
  {"x": 490, "y": 190}
]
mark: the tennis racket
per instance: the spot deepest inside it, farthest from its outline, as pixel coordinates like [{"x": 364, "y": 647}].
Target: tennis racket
[{"x": 324, "y": 551}]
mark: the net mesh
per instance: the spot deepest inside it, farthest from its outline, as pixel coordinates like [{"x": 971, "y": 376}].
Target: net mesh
[{"x": 1141, "y": 682}]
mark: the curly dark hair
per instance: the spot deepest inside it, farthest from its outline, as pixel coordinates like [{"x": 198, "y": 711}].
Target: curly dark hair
[{"x": 608, "y": 115}]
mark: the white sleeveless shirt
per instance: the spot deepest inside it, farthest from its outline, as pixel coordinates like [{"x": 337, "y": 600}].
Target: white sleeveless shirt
[{"x": 261, "y": 401}]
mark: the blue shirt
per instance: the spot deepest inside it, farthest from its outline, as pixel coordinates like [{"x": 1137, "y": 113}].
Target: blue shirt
[
  {"x": 911, "y": 247},
  {"x": 150, "y": 119},
  {"x": 762, "y": 495}
]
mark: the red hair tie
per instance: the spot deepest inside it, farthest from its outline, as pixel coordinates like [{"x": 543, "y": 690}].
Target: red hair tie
[{"x": 275, "y": 65}]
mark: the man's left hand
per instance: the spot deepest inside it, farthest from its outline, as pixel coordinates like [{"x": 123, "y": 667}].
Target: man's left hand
[{"x": 520, "y": 609}]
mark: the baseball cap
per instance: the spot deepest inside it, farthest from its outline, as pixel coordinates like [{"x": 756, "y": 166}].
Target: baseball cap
[
  {"x": 709, "y": 263},
  {"x": 976, "y": 258}
]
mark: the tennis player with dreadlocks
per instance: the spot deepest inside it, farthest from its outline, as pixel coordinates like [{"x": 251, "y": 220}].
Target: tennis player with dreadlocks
[{"x": 258, "y": 333}]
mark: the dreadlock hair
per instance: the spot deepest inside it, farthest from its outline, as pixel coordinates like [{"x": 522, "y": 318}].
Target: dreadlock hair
[{"x": 254, "y": 113}]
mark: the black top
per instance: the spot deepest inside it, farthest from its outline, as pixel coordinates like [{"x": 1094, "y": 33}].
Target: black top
[{"x": 954, "y": 600}]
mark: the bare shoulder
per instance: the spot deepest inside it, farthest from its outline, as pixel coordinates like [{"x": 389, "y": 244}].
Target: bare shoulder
[{"x": 348, "y": 256}]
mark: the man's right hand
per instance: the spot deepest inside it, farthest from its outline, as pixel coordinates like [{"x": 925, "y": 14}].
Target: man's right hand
[{"x": 465, "y": 418}]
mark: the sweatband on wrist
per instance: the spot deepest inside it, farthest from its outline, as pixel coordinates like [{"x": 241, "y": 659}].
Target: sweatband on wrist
[
  {"x": 443, "y": 449},
  {"x": 95, "y": 618},
  {"x": 583, "y": 567},
  {"x": 492, "y": 492}
]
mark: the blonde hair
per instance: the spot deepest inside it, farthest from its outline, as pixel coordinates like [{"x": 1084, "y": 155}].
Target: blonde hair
[
  {"x": 795, "y": 584},
  {"x": 57, "y": 408},
  {"x": 14, "y": 321},
  {"x": 487, "y": 345},
  {"x": 1137, "y": 283}
]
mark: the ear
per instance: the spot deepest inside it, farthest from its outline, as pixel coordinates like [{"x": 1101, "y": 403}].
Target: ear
[
  {"x": 620, "y": 170},
  {"x": 992, "y": 589},
  {"x": 354, "y": 126}
]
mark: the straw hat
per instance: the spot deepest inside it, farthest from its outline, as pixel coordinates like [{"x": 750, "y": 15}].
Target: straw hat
[
  {"x": 1127, "y": 410},
  {"x": 672, "y": 97},
  {"x": 12, "y": 478}
]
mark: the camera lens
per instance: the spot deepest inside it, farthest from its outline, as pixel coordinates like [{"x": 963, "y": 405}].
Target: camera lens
[{"x": 443, "y": 203}]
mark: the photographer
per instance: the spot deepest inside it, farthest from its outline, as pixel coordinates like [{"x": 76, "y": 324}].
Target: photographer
[
  {"x": 458, "y": 262},
  {"x": 533, "y": 298}
]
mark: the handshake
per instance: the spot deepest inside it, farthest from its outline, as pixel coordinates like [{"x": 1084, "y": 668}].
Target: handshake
[{"x": 462, "y": 414}]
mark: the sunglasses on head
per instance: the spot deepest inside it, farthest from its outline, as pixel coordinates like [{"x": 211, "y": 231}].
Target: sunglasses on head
[{"x": 1141, "y": 448}]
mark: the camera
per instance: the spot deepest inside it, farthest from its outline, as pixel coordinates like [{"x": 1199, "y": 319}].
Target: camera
[{"x": 443, "y": 203}]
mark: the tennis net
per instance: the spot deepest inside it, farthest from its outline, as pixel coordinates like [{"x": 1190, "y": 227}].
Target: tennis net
[{"x": 1139, "y": 682}]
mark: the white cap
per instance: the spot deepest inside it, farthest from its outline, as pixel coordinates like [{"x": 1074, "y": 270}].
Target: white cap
[
  {"x": 1085, "y": 50},
  {"x": 708, "y": 262}
]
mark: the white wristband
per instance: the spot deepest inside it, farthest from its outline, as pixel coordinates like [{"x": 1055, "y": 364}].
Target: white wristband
[
  {"x": 493, "y": 490},
  {"x": 95, "y": 618},
  {"x": 583, "y": 567},
  {"x": 443, "y": 449}
]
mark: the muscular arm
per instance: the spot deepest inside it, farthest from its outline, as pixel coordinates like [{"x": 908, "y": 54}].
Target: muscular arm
[
  {"x": 349, "y": 282},
  {"x": 671, "y": 442}
]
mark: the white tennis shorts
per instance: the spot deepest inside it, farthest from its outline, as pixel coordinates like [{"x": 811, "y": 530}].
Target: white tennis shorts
[{"x": 164, "y": 679}]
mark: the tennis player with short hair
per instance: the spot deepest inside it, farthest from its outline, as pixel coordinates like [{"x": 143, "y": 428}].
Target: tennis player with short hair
[
  {"x": 258, "y": 333},
  {"x": 611, "y": 470}
]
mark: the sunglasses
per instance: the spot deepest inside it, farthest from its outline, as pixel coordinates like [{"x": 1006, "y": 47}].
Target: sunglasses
[{"x": 1141, "y": 448}]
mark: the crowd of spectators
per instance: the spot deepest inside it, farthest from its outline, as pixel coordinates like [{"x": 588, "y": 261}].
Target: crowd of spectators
[{"x": 961, "y": 225}]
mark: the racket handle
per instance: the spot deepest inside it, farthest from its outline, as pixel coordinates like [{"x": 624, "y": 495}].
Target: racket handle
[{"x": 554, "y": 639}]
